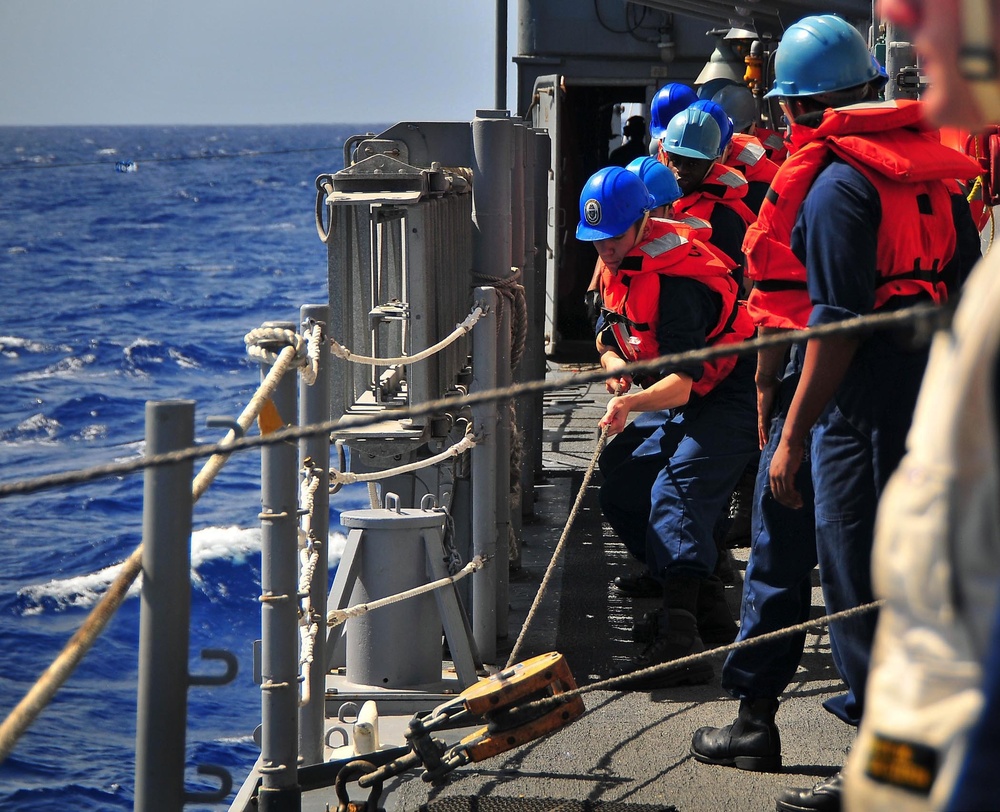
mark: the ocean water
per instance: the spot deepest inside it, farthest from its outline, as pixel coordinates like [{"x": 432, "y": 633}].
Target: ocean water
[{"x": 117, "y": 288}]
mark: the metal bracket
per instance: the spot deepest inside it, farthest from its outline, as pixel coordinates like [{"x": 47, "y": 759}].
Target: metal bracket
[
  {"x": 232, "y": 668},
  {"x": 216, "y": 796},
  {"x": 222, "y": 421}
]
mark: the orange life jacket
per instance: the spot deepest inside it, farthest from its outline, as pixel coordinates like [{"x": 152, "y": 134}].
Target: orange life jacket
[
  {"x": 631, "y": 296},
  {"x": 913, "y": 173},
  {"x": 702, "y": 230},
  {"x": 723, "y": 186},
  {"x": 774, "y": 144},
  {"x": 748, "y": 156}
]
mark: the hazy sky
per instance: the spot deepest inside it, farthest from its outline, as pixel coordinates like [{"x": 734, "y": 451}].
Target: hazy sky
[{"x": 245, "y": 61}]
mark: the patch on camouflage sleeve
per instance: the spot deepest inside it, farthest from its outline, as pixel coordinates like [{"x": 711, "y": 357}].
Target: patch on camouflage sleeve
[{"x": 908, "y": 765}]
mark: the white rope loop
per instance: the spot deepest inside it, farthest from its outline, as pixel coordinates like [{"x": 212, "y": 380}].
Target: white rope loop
[
  {"x": 460, "y": 330},
  {"x": 349, "y": 477},
  {"x": 261, "y": 341}
]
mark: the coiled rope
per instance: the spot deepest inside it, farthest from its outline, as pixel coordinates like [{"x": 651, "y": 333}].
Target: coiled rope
[
  {"x": 338, "y": 349},
  {"x": 509, "y": 289}
]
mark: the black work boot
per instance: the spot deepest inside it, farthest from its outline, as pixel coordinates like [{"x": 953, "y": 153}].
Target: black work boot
[
  {"x": 822, "y": 797},
  {"x": 676, "y": 636},
  {"x": 715, "y": 620},
  {"x": 751, "y": 742},
  {"x": 647, "y": 627}
]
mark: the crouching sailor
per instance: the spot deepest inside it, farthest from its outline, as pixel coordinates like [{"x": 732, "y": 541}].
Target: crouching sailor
[{"x": 670, "y": 472}]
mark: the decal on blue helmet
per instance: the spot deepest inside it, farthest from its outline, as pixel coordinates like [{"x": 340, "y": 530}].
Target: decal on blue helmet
[{"x": 592, "y": 211}]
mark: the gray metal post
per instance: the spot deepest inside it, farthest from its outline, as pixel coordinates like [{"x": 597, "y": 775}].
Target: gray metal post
[
  {"x": 493, "y": 154},
  {"x": 493, "y": 151},
  {"x": 520, "y": 206},
  {"x": 536, "y": 315},
  {"x": 500, "y": 96},
  {"x": 484, "y": 479},
  {"x": 503, "y": 475},
  {"x": 529, "y": 407},
  {"x": 314, "y": 407},
  {"x": 279, "y": 791},
  {"x": 164, "y": 625}
]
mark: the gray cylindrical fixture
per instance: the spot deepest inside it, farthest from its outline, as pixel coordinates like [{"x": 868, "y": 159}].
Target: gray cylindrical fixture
[
  {"x": 399, "y": 645},
  {"x": 279, "y": 607},
  {"x": 165, "y": 614},
  {"x": 500, "y": 95},
  {"x": 493, "y": 153},
  {"x": 484, "y": 478}
]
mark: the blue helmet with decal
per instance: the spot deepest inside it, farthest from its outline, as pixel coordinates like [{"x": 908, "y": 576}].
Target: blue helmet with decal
[
  {"x": 667, "y": 103},
  {"x": 658, "y": 179},
  {"x": 611, "y": 201},
  {"x": 820, "y": 54},
  {"x": 715, "y": 110},
  {"x": 692, "y": 133}
]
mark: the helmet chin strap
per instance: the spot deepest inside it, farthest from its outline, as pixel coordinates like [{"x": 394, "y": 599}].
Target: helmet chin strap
[{"x": 978, "y": 60}]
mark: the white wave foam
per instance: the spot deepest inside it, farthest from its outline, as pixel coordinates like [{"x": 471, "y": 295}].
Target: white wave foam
[
  {"x": 212, "y": 543},
  {"x": 182, "y": 360},
  {"x": 38, "y": 427},
  {"x": 12, "y": 344}
]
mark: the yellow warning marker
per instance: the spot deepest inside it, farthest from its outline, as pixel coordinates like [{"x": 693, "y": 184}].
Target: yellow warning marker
[{"x": 269, "y": 420}]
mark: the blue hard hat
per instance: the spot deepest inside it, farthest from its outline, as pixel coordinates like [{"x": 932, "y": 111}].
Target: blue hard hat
[
  {"x": 612, "y": 200},
  {"x": 658, "y": 179},
  {"x": 715, "y": 110},
  {"x": 709, "y": 89},
  {"x": 693, "y": 133},
  {"x": 739, "y": 104},
  {"x": 668, "y": 102},
  {"x": 820, "y": 54}
]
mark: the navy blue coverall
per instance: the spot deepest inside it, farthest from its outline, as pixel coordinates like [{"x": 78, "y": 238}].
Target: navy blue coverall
[
  {"x": 668, "y": 475},
  {"x": 855, "y": 446}
]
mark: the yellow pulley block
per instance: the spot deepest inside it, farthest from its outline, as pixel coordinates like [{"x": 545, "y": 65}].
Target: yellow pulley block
[{"x": 520, "y": 704}]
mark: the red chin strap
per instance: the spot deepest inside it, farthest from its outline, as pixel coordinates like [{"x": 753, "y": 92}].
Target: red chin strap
[{"x": 978, "y": 60}]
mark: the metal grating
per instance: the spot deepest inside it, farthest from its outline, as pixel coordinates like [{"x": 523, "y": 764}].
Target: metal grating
[{"x": 477, "y": 803}]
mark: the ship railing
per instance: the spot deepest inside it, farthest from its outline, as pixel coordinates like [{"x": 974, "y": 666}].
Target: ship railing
[{"x": 170, "y": 495}]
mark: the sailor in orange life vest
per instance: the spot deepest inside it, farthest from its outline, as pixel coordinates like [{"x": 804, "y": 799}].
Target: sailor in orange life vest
[
  {"x": 744, "y": 152},
  {"x": 929, "y": 738},
  {"x": 692, "y": 145},
  {"x": 662, "y": 187},
  {"x": 865, "y": 216},
  {"x": 669, "y": 472}
]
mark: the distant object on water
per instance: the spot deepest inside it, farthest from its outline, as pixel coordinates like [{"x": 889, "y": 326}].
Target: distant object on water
[{"x": 126, "y": 166}]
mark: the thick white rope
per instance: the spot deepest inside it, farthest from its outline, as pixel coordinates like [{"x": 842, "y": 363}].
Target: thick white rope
[
  {"x": 460, "y": 330},
  {"x": 307, "y": 348},
  {"x": 335, "y": 617},
  {"x": 251, "y": 412},
  {"x": 347, "y": 477},
  {"x": 308, "y": 560}
]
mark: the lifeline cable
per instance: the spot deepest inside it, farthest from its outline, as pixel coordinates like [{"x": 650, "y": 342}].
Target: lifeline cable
[{"x": 927, "y": 316}]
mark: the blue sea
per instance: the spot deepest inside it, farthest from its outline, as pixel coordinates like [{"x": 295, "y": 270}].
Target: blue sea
[{"x": 117, "y": 288}]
